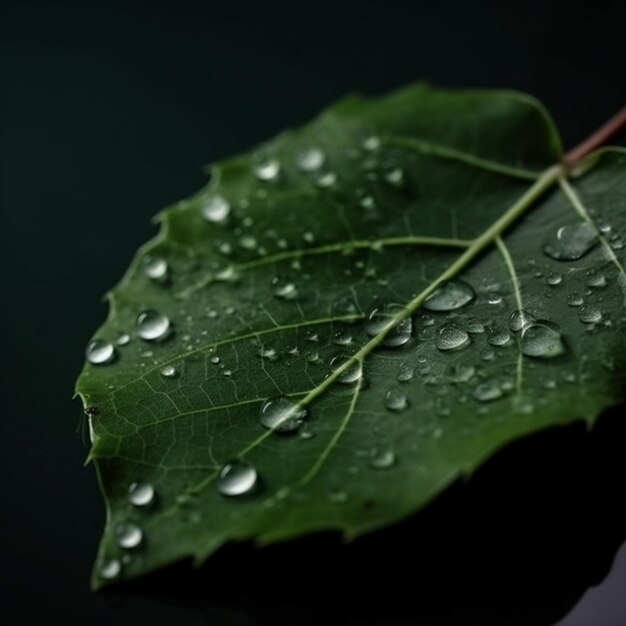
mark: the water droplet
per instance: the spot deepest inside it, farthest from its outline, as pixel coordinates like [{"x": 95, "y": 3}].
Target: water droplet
[
  {"x": 589, "y": 314},
  {"x": 575, "y": 299},
  {"x": 169, "y": 371},
  {"x": 123, "y": 339},
  {"x": 541, "y": 341},
  {"x": 216, "y": 209},
  {"x": 395, "y": 177},
  {"x": 248, "y": 242},
  {"x": 155, "y": 268},
  {"x": 382, "y": 459},
  {"x": 152, "y": 325},
  {"x": 337, "y": 495},
  {"x": 287, "y": 291},
  {"x": 474, "y": 325},
  {"x": 519, "y": 320},
  {"x": 571, "y": 242},
  {"x": 487, "y": 391},
  {"x": 128, "y": 536},
  {"x": 236, "y": 478},
  {"x": 494, "y": 298},
  {"x": 406, "y": 373},
  {"x": 396, "y": 400},
  {"x": 450, "y": 337},
  {"x": 282, "y": 414},
  {"x": 110, "y": 569},
  {"x": 368, "y": 203},
  {"x": 310, "y": 160},
  {"x": 553, "y": 278},
  {"x": 267, "y": 170},
  {"x": 499, "y": 336},
  {"x": 100, "y": 352},
  {"x": 342, "y": 338},
  {"x": 400, "y": 331},
  {"x": 327, "y": 180},
  {"x": 352, "y": 373},
  {"x": 450, "y": 296},
  {"x": 597, "y": 280},
  {"x": 141, "y": 494}
]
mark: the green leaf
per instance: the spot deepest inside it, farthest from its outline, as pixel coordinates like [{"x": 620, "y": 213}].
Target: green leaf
[{"x": 373, "y": 207}]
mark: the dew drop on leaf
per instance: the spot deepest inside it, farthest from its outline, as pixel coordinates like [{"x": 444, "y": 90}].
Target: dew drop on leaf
[
  {"x": 382, "y": 459},
  {"x": 110, "y": 569},
  {"x": 487, "y": 391},
  {"x": 589, "y": 314},
  {"x": 571, "y": 242},
  {"x": 140, "y": 494},
  {"x": 406, "y": 373},
  {"x": 539, "y": 340},
  {"x": 155, "y": 268},
  {"x": 398, "y": 334},
  {"x": 519, "y": 320},
  {"x": 267, "y": 169},
  {"x": 450, "y": 296},
  {"x": 236, "y": 478},
  {"x": 553, "y": 279},
  {"x": 216, "y": 209},
  {"x": 152, "y": 325},
  {"x": 396, "y": 400},
  {"x": 288, "y": 291},
  {"x": 123, "y": 339},
  {"x": 499, "y": 336},
  {"x": 169, "y": 371},
  {"x": 310, "y": 160},
  {"x": 282, "y": 414},
  {"x": 128, "y": 535},
  {"x": 450, "y": 337},
  {"x": 575, "y": 299},
  {"x": 100, "y": 352}
]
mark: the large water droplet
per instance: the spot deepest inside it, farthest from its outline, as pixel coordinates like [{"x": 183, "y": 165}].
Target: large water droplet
[
  {"x": 310, "y": 160},
  {"x": 396, "y": 400},
  {"x": 450, "y": 337},
  {"x": 282, "y": 414},
  {"x": 267, "y": 169},
  {"x": 519, "y": 320},
  {"x": 571, "y": 242},
  {"x": 450, "y": 296},
  {"x": 216, "y": 209},
  {"x": 110, "y": 569},
  {"x": 152, "y": 325},
  {"x": 589, "y": 314},
  {"x": 141, "y": 494},
  {"x": 155, "y": 267},
  {"x": 398, "y": 334},
  {"x": 128, "y": 535},
  {"x": 236, "y": 478},
  {"x": 542, "y": 341}
]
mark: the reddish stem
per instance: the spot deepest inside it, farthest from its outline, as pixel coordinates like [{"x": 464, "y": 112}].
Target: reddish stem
[{"x": 610, "y": 128}]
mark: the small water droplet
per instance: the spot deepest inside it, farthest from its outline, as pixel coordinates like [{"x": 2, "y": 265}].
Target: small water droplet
[
  {"x": 310, "y": 160},
  {"x": 216, "y": 209},
  {"x": 372, "y": 143},
  {"x": 169, "y": 371},
  {"x": 494, "y": 298},
  {"x": 110, "y": 569},
  {"x": 236, "y": 478},
  {"x": 499, "y": 336},
  {"x": 155, "y": 267},
  {"x": 450, "y": 296},
  {"x": 487, "y": 391},
  {"x": 368, "y": 203},
  {"x": 553, "y": 279},
  {"x": 474, "y": 325},
  {"x": 152, "y": 325},
  {"x": 342, "y": 338},
  {"x": 382, "y": 458},
  {"x": 282, "y": 414},
  {"x": 589, "y": 314},
  {"x": 519, "y": 320},
  {"x": 267, "y": 169},
  {"x": 571, "y": 242},
  {"x": 123, "y": 339},
  {"x": 399, "y": 332},
  {"x": 128, "y": 536},
  {"x": 288, "y": 291},
  {"x": 462, "y": 373},
  {"x": 248, "y": 242},
  {"x": 395, "y": 177},
  {"x": 539, "y": 340},
  {"x": 575, "y": 299},
  {"x": 141, "y": 494},
  {"x": 396, "y": 400},
  {"x": 353, "y": 371},
  {"x": 327, "y": 180},
  {"x": 450, "y": 337},
  {"x": 100, "y": 352},
  {"x": 596, "y": 280}
]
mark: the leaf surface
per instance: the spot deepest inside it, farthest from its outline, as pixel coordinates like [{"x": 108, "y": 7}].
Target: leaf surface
[{"x": 369, "y": 271}]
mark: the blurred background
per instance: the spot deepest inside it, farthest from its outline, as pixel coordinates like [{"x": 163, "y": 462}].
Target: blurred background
[{"x": 108, "y": 111}]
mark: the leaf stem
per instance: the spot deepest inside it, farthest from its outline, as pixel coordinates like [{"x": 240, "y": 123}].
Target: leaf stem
[{"x": 609, "y": 129}]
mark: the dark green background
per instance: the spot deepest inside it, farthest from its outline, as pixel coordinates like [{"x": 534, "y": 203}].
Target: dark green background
[{"x": 109, "y": 112}]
